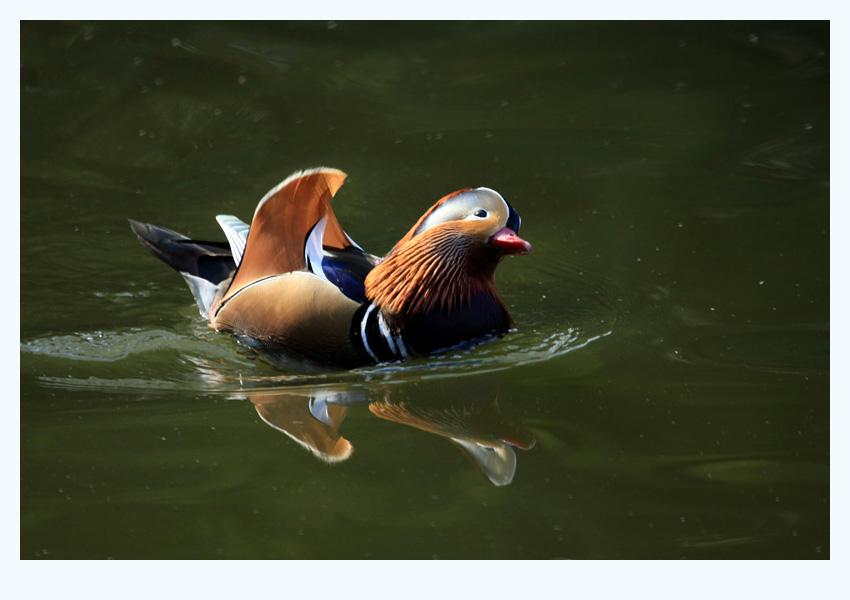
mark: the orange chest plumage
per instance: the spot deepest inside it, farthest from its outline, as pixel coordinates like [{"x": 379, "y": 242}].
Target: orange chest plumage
[{"x": 294, "y": 286}]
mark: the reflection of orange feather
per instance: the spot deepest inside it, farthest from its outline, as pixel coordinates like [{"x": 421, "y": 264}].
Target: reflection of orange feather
[
  {"x": 483, "y": 425},
  {"x": 290, "y": 414}
]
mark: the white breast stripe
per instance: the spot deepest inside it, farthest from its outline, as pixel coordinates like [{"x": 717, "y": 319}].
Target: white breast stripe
[
  {"x": 401, "y": 346},
  {"x": 385, "y": 331},
  {"x": 393, "y": 341},
  {"x": 363, "y": 332}
]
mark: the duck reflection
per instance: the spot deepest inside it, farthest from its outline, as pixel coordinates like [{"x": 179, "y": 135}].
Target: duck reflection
[
  {"x": 474, "y": 424},
  {"x": 311, "y": 419}
]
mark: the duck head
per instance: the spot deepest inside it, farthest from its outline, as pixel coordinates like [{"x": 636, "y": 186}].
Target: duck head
[{"x": 449, "y": 257}]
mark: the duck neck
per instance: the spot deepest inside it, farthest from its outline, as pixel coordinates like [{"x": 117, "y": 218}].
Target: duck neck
[
  {"x": 427, "y": 295},
  {"x": 436, "y": 273}
]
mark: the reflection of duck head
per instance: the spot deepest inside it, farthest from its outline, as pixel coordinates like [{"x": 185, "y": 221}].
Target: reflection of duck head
[{"x": 476, "y": 426}]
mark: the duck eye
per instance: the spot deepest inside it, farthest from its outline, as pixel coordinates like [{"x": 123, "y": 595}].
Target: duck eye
[{"x": 480, "y": 213}]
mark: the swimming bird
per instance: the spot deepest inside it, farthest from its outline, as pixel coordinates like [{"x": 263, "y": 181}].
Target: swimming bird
[{"x": 296, "y": 288}]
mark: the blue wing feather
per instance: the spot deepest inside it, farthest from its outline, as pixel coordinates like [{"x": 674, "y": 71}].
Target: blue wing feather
[{"x": 347, "y": 269}]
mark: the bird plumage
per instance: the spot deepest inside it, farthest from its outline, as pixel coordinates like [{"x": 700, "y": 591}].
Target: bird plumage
[{"x": 295, "y": 286}]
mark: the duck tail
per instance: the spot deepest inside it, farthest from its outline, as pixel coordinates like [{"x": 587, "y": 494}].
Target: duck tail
[{"x": 204, "y": 265}]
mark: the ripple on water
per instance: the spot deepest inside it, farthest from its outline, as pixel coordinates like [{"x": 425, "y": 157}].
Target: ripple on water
[
  {"x": 786, "y": 158},
  {"x": 791, "y": 349},
  {"x": 202, "y": 367},
  {"x": 102, "y": 346}
]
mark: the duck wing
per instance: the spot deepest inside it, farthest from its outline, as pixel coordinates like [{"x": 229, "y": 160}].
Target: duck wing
[
  {"x": 327, "y": 250},
  {"x": 282, "y": 224}
]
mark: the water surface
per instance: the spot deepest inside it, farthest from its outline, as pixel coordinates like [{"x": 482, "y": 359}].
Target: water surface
[{"x": 665, "y": 394}]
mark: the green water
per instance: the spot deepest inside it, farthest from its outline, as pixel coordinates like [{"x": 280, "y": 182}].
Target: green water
[{"x": 666, "y": 390}]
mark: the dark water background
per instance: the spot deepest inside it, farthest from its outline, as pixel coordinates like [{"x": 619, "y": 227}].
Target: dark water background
[{"x": 665, "y": 395}]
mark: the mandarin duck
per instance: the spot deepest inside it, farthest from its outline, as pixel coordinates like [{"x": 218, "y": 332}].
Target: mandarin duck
[{"x": 296, "y": 288}]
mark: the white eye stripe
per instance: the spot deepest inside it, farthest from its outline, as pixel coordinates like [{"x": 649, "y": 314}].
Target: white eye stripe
[{"x": 466, "y": 206}]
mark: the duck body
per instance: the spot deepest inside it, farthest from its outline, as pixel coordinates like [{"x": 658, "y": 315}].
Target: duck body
[{"x": 296, "y": 288}]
